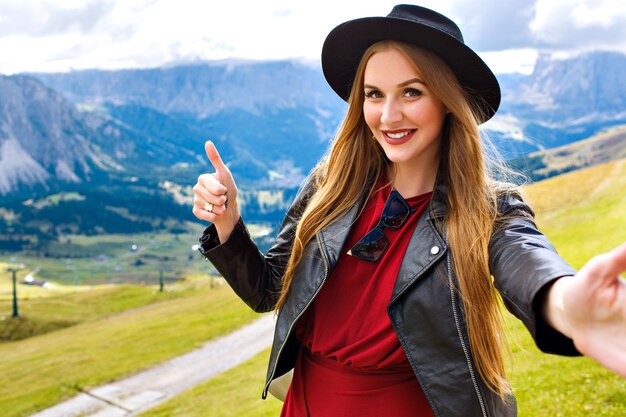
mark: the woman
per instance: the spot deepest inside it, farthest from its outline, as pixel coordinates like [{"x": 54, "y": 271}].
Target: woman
[{"x": 382, "y": 270}]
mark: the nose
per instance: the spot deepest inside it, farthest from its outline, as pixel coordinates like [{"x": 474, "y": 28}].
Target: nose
[{"x": 391, "y": 113}]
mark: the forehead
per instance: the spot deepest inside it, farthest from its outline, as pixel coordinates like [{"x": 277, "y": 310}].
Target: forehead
[{"x": 390, "y": 65}]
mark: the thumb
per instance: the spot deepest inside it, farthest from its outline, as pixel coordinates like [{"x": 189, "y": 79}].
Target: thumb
[
  {"x": 606, "y": 267},
  {"x": 214, "y": 156},
  {"x": 616, "y": 262}
]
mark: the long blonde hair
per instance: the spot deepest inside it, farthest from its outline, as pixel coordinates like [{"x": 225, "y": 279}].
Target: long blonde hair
[{"x": 355, "y": 159}]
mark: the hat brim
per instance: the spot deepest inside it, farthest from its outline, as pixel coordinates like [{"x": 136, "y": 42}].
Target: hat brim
[{"x": 344, "y": 46}]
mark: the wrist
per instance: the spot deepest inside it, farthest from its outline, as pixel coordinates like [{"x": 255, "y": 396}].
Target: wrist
[
  {"x": 554, "y": 307},
  {"x": 226, "y": 225}
]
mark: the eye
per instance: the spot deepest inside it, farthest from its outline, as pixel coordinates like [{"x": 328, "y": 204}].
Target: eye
[
  {"x": 373, "y": 94},
  {"x": 412, "y": 92}
]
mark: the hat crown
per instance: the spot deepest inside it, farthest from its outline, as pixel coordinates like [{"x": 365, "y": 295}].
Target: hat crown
[{"x": 427, "y": 17}]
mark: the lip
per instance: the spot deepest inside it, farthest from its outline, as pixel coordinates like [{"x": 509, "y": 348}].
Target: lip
[{"x": 399, "y": 141}]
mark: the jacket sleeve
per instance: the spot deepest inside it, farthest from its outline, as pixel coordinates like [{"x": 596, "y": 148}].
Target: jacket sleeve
[
  {"x": 524, "y": 263},
  {"x": 255, "y": 278}
]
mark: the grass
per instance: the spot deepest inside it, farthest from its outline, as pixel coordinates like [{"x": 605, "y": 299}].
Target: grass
[
  {"x": 583, "y": 212},
  {"x": 41, "y": 371},
  {"x": 557, "y": 386},
  {"x": 44, "y": 310}
]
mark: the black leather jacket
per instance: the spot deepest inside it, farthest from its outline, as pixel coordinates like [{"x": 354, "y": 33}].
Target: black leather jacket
[{"x": 425, "y": 311}]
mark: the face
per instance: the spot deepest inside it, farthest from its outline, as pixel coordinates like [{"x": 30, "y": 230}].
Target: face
[{"x": 401, "y": 111}]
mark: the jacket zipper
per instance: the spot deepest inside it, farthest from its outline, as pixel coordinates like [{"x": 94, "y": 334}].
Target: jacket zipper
[
  {"x": 458, "y": 328},
  {"x": 282, "y": 346}
]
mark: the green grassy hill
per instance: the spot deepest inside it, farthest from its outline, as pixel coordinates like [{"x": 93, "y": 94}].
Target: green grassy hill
[
  {"x": 582, "y": 212},
  {"x": 44, "y": 310},
  {"x": 40, "y": 371}
]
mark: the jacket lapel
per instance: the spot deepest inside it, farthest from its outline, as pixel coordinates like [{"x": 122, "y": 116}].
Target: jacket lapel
[
  {"x": 334, "y": 236},
  {"x": 426, "y": 246}
]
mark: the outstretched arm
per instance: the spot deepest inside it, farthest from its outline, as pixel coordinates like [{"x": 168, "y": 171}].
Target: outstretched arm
[{"x": 590, "y": 308}]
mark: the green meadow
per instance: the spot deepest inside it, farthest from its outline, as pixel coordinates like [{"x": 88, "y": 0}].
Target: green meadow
[
  {"x": 77, "y": 337},
  {"x": 40, "y": 371},
  {"x": 583, "y": 212}
]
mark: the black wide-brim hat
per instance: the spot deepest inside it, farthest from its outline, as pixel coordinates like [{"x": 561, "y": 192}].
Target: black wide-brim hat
[{"x": 345, "y": 45}]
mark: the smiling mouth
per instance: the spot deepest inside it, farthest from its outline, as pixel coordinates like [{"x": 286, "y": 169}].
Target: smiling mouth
[{"x": 398, "y": 135}]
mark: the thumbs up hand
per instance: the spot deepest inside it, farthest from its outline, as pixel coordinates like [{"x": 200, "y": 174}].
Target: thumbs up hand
[{"x": 215, "y": 195}]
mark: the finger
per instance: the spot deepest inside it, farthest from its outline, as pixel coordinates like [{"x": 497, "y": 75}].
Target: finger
[
  {"x": 217, "y": 210},
  {"x": 200, "y": 205},
  {"x": 202, "y": 214},
  {"x": 211, "y": 184},
  {"x": 205, "y": 196},
  {"x": 617, "y": 264},
  {"x": 608, "y": 265},
  {"x": 212, "y": 204},
  {"x": 216, "y": 160}
]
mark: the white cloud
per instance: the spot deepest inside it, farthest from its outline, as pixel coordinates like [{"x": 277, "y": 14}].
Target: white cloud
[
  {"x": 58, "y": 35},
  {"x": 511, "y": 60},
  {"x": 39, "y": 18},
  {"x": 579, "y": 24}
]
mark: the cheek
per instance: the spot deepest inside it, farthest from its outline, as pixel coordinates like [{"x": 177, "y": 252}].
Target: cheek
[
  {"x": 428, "y": 116},
  {"x": 371, "y": 116}
]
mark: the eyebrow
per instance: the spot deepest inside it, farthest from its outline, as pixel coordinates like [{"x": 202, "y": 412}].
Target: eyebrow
[
  {"x": 411, "y": 81},
  {"x": 402, "y": 84}
]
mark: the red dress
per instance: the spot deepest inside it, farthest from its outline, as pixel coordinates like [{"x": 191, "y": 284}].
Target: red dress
[{"x": 351, "y": 363}]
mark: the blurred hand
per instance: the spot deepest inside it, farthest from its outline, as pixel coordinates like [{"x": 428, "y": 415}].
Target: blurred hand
[
  {"x": 594, "y": 309},
  {"x": 215, "y": 195}
]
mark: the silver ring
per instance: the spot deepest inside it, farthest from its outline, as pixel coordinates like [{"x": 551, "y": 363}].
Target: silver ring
[{"x": 209, "y": 207}]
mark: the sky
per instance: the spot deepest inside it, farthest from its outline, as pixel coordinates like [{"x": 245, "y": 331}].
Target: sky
[{"x": 64, "y": 35}]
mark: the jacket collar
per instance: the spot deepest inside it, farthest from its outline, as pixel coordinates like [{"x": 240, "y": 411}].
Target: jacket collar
[{"x": 439, "y": 200}]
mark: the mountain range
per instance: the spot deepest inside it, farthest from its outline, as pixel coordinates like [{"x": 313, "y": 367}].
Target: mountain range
[
  {"x": 139, "y": 134},
  {"x": 562, "y": 101}
]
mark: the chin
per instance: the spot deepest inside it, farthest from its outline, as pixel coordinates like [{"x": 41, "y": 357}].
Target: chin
[{"x": 397, "y": 159}]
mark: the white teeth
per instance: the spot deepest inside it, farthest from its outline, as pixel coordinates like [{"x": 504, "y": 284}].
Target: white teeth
[{"x": 398, "y": 135}]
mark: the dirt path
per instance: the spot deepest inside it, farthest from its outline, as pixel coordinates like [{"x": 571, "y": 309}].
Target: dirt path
[{"x": 144, "y": 390}]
